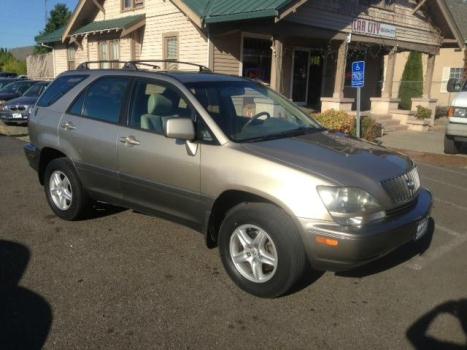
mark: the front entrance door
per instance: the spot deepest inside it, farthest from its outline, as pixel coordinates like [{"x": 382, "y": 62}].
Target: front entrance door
[
  {"x": 315, "y": 73},
  {"x": 300, "y": 75}
]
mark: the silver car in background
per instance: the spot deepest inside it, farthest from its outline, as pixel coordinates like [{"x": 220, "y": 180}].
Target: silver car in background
[{"x": 230, "y": 158}]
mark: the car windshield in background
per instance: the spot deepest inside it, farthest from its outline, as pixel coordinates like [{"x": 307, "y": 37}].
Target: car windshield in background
[
  {"x": 35, "y": 90},
  {"x": 248, "y": 111},
  {"x": 12, "y": 87}
]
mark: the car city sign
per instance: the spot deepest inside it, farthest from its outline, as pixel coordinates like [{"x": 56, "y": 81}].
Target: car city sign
[{"x": 362, "y": 26}]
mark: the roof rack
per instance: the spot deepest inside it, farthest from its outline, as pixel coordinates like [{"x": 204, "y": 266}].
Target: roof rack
[
  {"x": 85, "y": 65},
  {"x": 133, "y": 64}
]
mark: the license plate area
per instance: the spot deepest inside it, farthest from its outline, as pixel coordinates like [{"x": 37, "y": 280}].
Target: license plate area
[{"x": 17, "y": 116}]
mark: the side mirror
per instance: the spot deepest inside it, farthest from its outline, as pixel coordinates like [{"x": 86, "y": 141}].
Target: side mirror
[
  {"x": 180, "y": 128},
  {"x": 454, "y": 85}
]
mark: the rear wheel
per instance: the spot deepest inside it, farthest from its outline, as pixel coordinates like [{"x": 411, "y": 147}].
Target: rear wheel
[
  {"x": 64, "y": 191},
  {"x": 450, "y": 146},
  {"x": 261, "y": 249}
]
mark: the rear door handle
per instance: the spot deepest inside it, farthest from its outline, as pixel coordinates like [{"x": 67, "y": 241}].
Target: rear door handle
[
  {"x": 130, "y": 140},
  {"x": 68, "y": 126}
]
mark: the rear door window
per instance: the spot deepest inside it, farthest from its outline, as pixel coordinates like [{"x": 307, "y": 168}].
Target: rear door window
[
  {"x": 105, "y": 98},
  {"x": 59, "y": 88}
]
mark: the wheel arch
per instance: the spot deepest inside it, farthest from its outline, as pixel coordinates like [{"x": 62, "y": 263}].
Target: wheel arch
[
  {"x": 229, "y": 199},
  {"x": 46, "y": 156}
]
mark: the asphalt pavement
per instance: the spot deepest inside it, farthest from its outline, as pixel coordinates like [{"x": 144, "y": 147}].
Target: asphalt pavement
[{"x": 123, "y": 280}]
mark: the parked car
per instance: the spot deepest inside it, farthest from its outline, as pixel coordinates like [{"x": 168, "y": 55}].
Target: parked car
[
  {"x": 456, "y": 130},
  {"x": 8, "y": 75},
  {"x": 6, "y": 81},
  {"x": 231, "y": 158},
  {"x": 14, "y": 89},
  {"x": 18, "y": 110}
]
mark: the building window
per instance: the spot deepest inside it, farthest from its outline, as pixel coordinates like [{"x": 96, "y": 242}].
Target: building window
[
  {"x": 170, "y": 47},
  {"x": 70, "y": 55},
  {"x": 132, "y": 4},
  {"x": 256, "y": 59},
  {"x": 451, "y": 73},
  {"x": 109, "y": 50}
]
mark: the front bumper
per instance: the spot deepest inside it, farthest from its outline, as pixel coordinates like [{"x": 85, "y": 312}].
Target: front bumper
[
  {"x": 457, "y": 130},
  {"x": 357, "y": 247},
  {"x": 14, "y": 117}
]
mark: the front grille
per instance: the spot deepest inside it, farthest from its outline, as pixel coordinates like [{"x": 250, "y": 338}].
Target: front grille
[
  {"x": 16, "y": 108},
  {"x": 403, "y": 188}
]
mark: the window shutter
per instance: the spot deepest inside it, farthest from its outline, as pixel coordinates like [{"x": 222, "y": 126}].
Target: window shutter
[{"x": 444, "y": 79}]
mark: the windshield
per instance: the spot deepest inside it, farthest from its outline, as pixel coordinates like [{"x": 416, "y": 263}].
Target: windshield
[
  {"x": 16, "y": 87},
  {"x": 247, "y": 111},
  {"x": 35, "y": 90}
]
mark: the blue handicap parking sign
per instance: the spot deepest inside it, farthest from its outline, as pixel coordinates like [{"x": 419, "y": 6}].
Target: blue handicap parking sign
[{"x": 358, "y": 74}]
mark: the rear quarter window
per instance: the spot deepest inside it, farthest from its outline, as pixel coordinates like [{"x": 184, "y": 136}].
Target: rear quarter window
[{"x": 59, "y": 88}]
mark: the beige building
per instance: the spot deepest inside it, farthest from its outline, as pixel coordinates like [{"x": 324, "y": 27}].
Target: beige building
[{"x": 301, "y": 48}]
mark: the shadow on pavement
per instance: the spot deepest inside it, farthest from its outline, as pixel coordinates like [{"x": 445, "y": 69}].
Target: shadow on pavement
[
  {"x": 397, "y": 257},
  {"x": 418, "y": 335},
  {"x": 25, "y": 317},
  {"x": 100, "y": 210}
]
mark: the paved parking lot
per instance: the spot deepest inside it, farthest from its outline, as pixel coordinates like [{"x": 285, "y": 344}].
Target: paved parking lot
[{"x": 123, "y": 280}]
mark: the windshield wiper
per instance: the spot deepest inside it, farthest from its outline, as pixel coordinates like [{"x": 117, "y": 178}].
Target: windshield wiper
[{"x": 283, "y": 134}]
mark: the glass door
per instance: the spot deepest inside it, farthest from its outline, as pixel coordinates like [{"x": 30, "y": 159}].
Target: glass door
[{"x": 300, "y": 75}]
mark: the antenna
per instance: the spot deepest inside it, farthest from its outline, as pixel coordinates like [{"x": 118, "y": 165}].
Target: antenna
[{"x": 45, "y": 11}]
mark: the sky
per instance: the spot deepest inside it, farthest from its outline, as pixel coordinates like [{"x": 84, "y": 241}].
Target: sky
[{"x": 22, "y": 20}]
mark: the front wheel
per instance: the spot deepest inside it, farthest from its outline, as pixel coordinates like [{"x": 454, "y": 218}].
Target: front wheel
[
  {"x": 64, "y": 191},
  {"x": 261, "y": 249},
  {"x": 450, "y": 146}
]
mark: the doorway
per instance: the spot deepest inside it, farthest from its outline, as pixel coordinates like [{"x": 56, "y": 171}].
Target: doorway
[{"x": 307, "y": 75}]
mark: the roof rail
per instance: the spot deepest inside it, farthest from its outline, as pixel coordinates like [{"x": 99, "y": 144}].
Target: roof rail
[
  {"x": 133, "y": 64},
  {"x": 85, "y": 65}
]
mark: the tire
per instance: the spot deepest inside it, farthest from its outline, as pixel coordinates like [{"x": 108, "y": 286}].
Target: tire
[
  {"x": 79, "y": 202},
  {"x": 450, "y": 146},
  {"x": 282, "y": 240}
]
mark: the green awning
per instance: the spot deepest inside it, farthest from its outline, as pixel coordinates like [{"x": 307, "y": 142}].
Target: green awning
[
  {"x": 216, "y": 11},
  {"x": 53, "y": 37},
  {"x": 111, "y": 24}
]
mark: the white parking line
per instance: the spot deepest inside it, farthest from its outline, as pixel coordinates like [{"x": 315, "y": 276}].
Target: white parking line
[
  {"x": 421, "y": 261},
  {"x": 457, "y": 206},
  {"x": 444, "y": 183},
  {"x": 443, "y": 169}
]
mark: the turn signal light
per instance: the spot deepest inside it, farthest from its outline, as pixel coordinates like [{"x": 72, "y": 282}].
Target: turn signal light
[
  {"x": 451, "y": 112},
  {"x": 327, "y": 241}
]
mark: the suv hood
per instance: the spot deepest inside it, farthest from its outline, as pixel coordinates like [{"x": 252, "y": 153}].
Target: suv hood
[
  {"x": 335, "y": 157},
  {"x": 8, "y": 95},
  {"x": 460, "y": 100},
  {"x": 22, "y": 101}
]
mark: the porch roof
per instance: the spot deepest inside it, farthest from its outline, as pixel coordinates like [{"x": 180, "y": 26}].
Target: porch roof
[
  {"x": 50, "y": 37},
  {"x": 215, "y": 11},
  {"x": 458, "y": 9},
  {"x": 121, "y": 23}
]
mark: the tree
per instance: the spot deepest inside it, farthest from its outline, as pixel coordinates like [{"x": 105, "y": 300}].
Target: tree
[
  {"x": 412, "y": 80},
  {"x": 58, "y": 18},
  {"x": 8, "y": 63}
]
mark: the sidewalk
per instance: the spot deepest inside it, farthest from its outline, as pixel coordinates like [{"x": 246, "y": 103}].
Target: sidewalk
[{"x": 429, "y": 142}]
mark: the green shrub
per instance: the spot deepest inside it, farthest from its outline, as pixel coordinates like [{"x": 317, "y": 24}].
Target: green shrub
[
  {"x": 423, "y": 113},
  {"x": 345, "y": 123},
  {"x": 412, "y": 80},
  {"x": 336, "y": 121}
]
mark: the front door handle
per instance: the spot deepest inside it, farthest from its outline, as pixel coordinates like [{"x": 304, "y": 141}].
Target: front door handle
[
  {"x": 130, "y": 140},
  {"x": 68, "y": 126}
]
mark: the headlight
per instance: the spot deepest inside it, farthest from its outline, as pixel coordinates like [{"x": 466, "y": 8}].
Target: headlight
[
  {"x": 350, "y": 205},
  {"x": 29, "y": 109},
  {"x": 460, "y": 112}
]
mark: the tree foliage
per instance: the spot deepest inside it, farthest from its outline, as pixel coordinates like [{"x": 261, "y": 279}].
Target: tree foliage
[
  {"x": 412, "y": 80},
  {"x": 8, "y": 63},
  {"x": 58, "y": 18}
]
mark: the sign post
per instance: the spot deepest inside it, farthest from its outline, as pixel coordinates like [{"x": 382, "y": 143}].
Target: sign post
[{"x": 358, "y": 81}]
